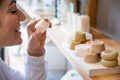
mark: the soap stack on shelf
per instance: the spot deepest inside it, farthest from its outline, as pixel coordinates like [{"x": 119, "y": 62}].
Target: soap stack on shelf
[
  {"x": 79, "y": 38},
  {"x": 93, "y": 51},
  {"x": 78, "y": 42},
  {"x": 109, "y": 58},
  {"x": 93, "y": 55}
]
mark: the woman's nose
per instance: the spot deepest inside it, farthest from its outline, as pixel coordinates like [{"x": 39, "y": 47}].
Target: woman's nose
[{"x": 21, "y": 16}]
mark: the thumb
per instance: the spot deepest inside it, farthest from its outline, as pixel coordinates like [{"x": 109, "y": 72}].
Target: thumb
[{"x": 30, "y": 26}]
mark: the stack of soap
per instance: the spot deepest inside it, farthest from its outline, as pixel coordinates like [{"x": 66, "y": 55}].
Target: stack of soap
[
  {"x": 79, "y": 38},
  {"x": 109, "y": 58},
  {"x": 97, "y": 46}
]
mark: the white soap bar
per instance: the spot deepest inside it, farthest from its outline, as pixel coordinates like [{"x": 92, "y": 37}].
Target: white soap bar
[
  {"x": 42, "y": 25},
  {"x": 85, "y": 23},
  {"x": 80, "y": 49}
]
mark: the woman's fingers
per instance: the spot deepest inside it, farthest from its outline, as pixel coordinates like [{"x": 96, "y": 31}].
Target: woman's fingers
[
  {"x": 30, "y": 26},
  {"x": 37, "y": 40}
]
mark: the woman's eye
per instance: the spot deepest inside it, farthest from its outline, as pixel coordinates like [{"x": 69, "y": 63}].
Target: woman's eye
[{"x": 13, "y": 12}]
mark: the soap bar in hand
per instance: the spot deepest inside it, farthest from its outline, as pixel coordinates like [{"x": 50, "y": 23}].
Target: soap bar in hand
[{"x": 42, "y": 25}]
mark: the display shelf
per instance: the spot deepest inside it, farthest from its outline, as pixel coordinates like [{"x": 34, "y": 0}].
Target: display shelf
[
  {"x": 95, "y": 69},
  {"x": 59, "y": 37}
]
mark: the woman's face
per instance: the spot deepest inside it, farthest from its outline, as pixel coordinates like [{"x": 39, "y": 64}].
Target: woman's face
[{"x": 10, "y": 18}]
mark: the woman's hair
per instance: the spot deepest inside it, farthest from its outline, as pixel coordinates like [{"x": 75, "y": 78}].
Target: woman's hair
[{"x": 1, "y": 1}]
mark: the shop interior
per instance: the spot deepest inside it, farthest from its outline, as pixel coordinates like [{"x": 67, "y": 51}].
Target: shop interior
[{"x": 100, "y": 19}]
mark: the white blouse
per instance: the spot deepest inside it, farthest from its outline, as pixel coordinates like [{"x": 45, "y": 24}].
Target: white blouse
[{"x": 35, "y": 69}]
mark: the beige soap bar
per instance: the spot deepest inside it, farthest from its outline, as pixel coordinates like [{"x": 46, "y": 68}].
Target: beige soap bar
[
  {"x": 97, "y": 46},
  {"x": 73, "y": 44},
  {"x": 107, "y": 63},
  {"x": 109, "y": 54},
  {"x": 80, "y": 36},
  {"x": 90, "y": 57},
  {"x": 42, "y": 25}
]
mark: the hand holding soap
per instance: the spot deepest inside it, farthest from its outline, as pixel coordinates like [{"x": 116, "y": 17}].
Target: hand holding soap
[{"x": 42, "y": 25}]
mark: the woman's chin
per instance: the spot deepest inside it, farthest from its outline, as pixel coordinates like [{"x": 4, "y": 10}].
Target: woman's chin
[
  {"x": 18, "y": 38},
  {"x": 15, "y": 42},
  {"x": 19, "y": 42}
]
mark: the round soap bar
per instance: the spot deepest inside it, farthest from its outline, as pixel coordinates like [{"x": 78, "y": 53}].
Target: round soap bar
[
  {"x": 109, "y": 54},
  {"x": 80, "y": 49},
  {"x": 97, "y": 46},
  {"x": 107, "y": 63},
  {"x": 80, "y": 36},
  {"x": 73, "y": 44},
  {"x": 90, "y": 57}
]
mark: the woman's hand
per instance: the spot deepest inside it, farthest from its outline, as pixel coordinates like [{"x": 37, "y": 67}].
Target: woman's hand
[{"x": 36, "y": 40}]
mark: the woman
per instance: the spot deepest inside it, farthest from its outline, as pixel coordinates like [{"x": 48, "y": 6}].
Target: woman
[{"x": 10, "y": 17}]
